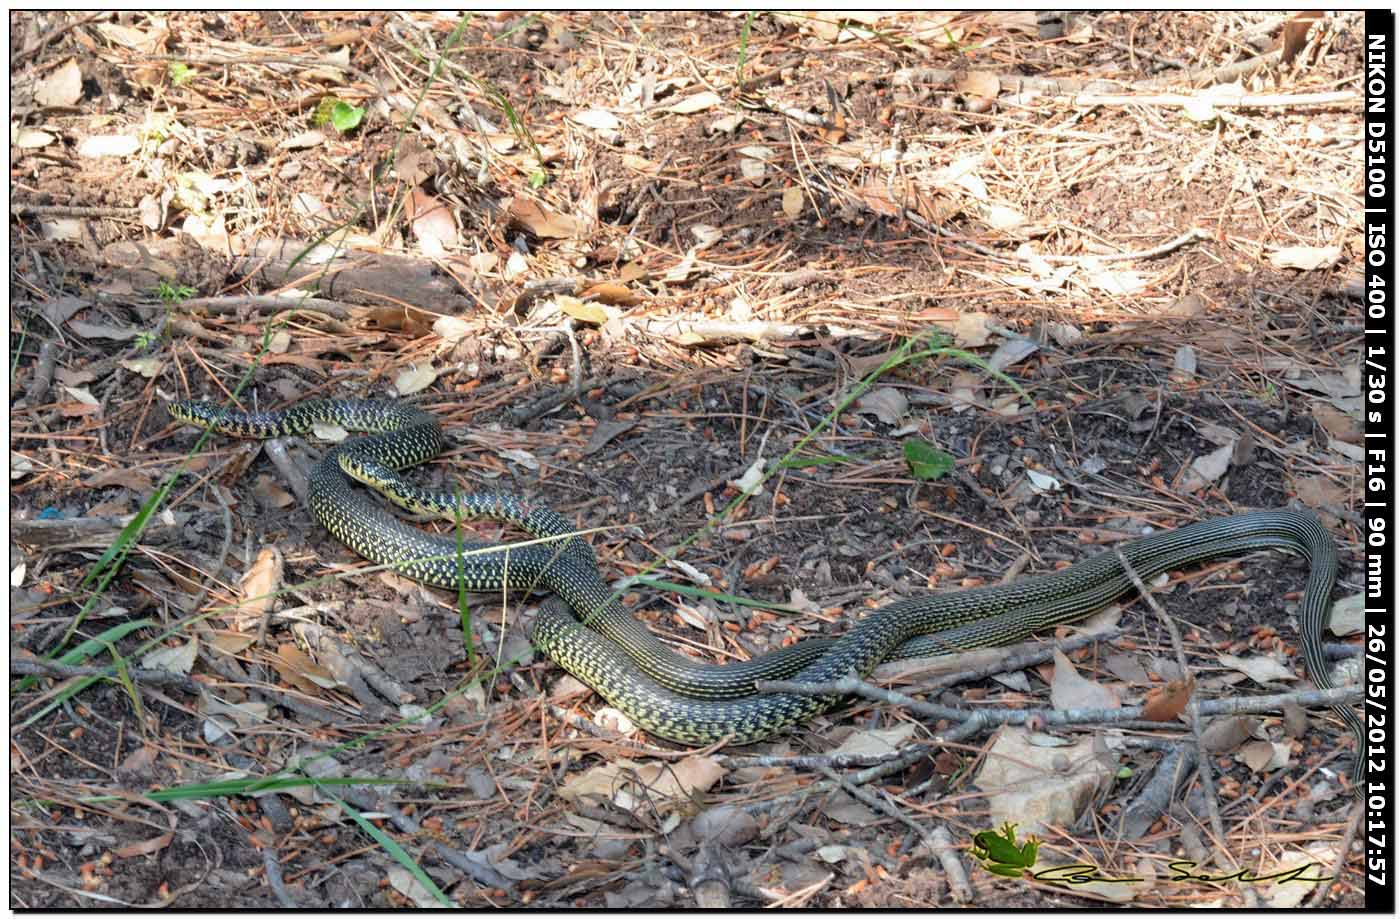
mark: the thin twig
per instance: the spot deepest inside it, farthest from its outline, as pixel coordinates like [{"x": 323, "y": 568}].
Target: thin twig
[
  {"x": 1022, "y": 661},
  {"x": 943, "y": 848},
  {"x": 1223, "y": 100},
  {"x": 1204, "y": 766},
  {"x": 272, "y": 871},
  {"x": 1319, "y": 896},
  {"x": 990, "y": 717},
  {"x": 1157, "y": 251},
  {"x": 873, "y": 800},
  {"x": 38, "y": 667}
]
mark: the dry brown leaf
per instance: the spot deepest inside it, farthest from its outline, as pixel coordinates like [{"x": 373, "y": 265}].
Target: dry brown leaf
[
  {"x": 1082, "y": 33},
  {"x": 861, "y": 367},
  {"x": 542, "y": 221},
  {"x": 415, "y": 162},
  {"x": 117, "y": 145},
  {"x": 696, "y": 103},
  {"x": 877, "y": 742},
  {"x": 484, "y": 262},
  {"x": 270, "y": 493},
  {"x": 230, "y": 643},
  {"x": 591, "y": 313},
  {"x": 845, "y": 809},
  {"x": 1306, "y": 258},
  {"x": 969, "y": 329},
  {"x": 598, "y": 119},
  {"x": 877, "y": 195},
  {"x": 1186, "y": 307},
  {"x": 451, "y": 328},
  {"x": 148, "y": 367},
  {"x": 1120, "y": 282},
  {"x": 980, "y": 83},
  {"x": 1264, "y": 756},
  {"x": 836, "y": 25},
  {"x": 142, "y": 255},
  {"x": 886, "y": 403},
  {"x": 403, "y": 881},
  {"x": 149, "y": 41},
  {"x": 1037, "y": 786},
  {"x": 62, "y": 88},
  {"x": 697, "y": 617},
  {"x": 1348, "y": 615},
  {"x": 100, "y": 330},
  {"x": 516, "y": 266},
  {"x": 1004, "y": 217},
  {"x": 179, "y": 659},
  {"x": 1225, "y": 734},
  {"x": 1207, "y": 469},
  {"x": 416, "y": 378},
  {"x": 1261, "y": 668},
  {"x": 963, "y": 390},
  {"x": 314, "y": 364},
  {"x": 258, "y": 584},
  {"x": 1023, "y": 21},
  {"x": 1286, "y": 893},
  {"x": 126, "y": 477},
  {"x": 792, "y": 202},
  {"x": 1337, "y": 423},
  {"x": 1069, "y": 690},
  {"x": 612, "y": 294},
  {"x": 298, "y": 669},
  {"x": 1320, "y": 491},
  {"x": 641, "y": 164},
  {"x": 432, "y": 224},
  {"x": 140, "y": 761},
  {"x": 1295, "y": 33},
  {"x": 78, "y": 409},
  {"x": 662, "y": 785},
  {"x": 149, "y": 847},
  {"x": 1126, "y": 667},
  {"x": 1166, "y": 703},
  {"x": 303, "y": 140}
]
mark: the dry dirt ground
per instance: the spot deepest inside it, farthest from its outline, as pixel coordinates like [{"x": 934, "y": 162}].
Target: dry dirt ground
[{"x": 629, "y": 260}]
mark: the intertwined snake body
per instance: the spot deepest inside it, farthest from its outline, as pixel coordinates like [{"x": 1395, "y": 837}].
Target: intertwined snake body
[{"x": 684, "y": 700}]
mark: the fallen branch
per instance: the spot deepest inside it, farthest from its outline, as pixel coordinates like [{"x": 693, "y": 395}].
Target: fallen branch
[
  {"x": 33, "y": 666},
  {"x": 1218, "y": 99},
  {"x": 984, "y": 718}
]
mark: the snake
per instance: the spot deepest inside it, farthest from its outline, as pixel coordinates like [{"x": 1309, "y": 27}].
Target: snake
[{"x": 587, "y": 632}]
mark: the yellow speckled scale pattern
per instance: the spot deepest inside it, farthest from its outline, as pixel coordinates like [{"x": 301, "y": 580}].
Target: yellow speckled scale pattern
[{"x": 684, "y": 700}]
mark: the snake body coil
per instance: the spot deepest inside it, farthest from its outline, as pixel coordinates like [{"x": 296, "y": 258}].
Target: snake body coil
[{"x": 684, "y": 700}]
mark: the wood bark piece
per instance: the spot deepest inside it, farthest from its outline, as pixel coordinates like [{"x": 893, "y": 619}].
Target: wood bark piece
[
  {"x": 91, "y": 532},
  {"x": 351, "y": 276}
]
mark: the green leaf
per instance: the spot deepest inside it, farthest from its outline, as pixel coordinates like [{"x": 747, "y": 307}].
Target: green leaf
[
  {"x": 346, "y": 117},
  {"x": 538, "y": 178},
  {"x": 180, "y": 73},
  {"x": 926, "y": 462},
  {"x": 398, "y": 854},
  {"x": 169, "y": 293}
]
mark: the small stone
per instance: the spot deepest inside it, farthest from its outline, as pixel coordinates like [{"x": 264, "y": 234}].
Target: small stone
[{"x": 725, "y": 826}]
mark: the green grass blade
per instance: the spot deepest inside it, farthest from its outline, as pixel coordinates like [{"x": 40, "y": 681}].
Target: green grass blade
[{"x": 399, "y": 855}]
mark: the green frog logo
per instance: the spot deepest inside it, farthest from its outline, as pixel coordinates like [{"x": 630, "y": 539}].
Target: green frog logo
[{"x": 999, "y": 853}]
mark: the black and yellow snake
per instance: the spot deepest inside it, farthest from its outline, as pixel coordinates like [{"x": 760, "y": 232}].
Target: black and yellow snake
[{"x": 682, "y": 699}]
